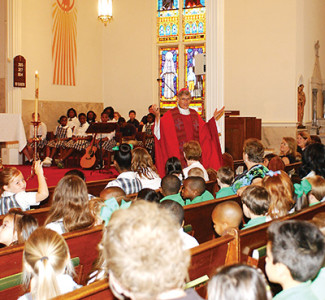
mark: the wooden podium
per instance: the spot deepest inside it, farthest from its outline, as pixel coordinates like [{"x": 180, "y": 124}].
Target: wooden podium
[{"x": 238, "y": 129}]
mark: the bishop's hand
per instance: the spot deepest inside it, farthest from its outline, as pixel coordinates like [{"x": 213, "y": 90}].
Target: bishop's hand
[
  {"x": 156, "y": 111},
  {"x": 218, "y": 113}
]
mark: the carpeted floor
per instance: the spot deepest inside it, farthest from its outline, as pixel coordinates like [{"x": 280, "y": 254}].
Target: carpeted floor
[{"x": 54, "y": 174}]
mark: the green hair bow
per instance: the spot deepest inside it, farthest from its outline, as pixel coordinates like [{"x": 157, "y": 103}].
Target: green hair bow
[
  {"x": 303, "y": 187},
  {"x": 116, "y": 148}
]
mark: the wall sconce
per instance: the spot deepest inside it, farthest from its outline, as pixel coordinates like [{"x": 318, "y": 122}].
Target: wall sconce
[{"x": 105, "y": 12}]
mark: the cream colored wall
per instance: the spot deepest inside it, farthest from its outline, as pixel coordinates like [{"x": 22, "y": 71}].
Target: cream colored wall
[
  {"x": 3, "y": 44},
  {"x": 36, "y": 48},
  {"x": 128, "y": 59},
  {"x": 260, "y": 58}
]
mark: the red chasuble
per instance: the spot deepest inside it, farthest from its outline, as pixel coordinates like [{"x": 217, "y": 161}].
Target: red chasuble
[{"x": 177, "y": 129}]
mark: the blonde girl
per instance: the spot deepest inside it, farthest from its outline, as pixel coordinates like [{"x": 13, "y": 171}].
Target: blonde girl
[
  {"x": 144, "y": 168},
  {"x": 70, "y": 210},
  {"x": 13, "y": 189},
  {"x": 47, "y": 265},
  {"x": 280, "y": 188}
]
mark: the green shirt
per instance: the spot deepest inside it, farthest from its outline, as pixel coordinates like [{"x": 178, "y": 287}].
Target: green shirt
[
  {"x": 204, "y": 197},
  {"x": 175, "y": 197},
  {"x": 318, "y": 285},
  {"x": 254, "y": 222},
  {"x": 225, "y": 192},
  {"x": 300, "y": 292}
]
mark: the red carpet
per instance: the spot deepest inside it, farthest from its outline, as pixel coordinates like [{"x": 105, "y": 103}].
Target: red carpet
[{"x": 54, "y": 174}]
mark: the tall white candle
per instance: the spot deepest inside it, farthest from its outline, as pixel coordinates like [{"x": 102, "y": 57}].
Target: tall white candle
[{"x": 36, "y": 96}]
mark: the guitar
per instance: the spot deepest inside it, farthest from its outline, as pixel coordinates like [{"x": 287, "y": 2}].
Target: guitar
[{"x": 89, "y": 159}]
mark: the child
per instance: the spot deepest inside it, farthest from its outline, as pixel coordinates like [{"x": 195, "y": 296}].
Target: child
[
  {"x": 295, "y": 254},
  {"x": 69, "y": 210},
  {"x": 81, "y": 175},
  {"x": 127, "y": 180},
  {"x": 133, "y": 120},
  {"x": 280, "y": 189},
  {"x": 41, "y": 134},
  {"x": 225, "y": 179},
  {"x": 192, "y": 153},
  {"x": 16, "y": 227},
  {"x": 148, "y": 129},
  {"x": 196, "y": 172},
  {"x": 62, "y": 134},
  {"x": 91, "y": 117},
  {"x": 80, "y": 139},
  {"x": 149, "y": 195},
  {"x": 13, "y": 185},
  {"x": 238, "y": 282},
  {"x": 170, "y": 189},
  {"x": 173, "y": 166},
  {"x": 47, "y": 265},
  {"x": 317, "y": 193},
  {"x": 225, "y": 216},
  {"x": 73, "y": 121},
  {"x": 177, "y": 211},
  {"x": 145, "y": 170},
  {"x": 255, "y": 205},
  {"x": 193, "y": 191}
]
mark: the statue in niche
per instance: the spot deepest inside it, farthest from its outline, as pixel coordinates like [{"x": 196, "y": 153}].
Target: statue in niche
[{"x": 301, "y": 105}]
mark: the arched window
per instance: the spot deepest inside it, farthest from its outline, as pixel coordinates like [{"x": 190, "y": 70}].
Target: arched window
[{"x": 181, "y": 30}]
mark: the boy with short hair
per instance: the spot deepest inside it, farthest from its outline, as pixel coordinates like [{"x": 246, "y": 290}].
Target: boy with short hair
[
  {"x": 225, "y": 216},
  {"x": 170, "y": 187},
  {"x": 177, "y": 212},
  {"x": 295, "y": 254},
  {"x": 133, "y": 120},
  {"x": 255, "y": 205},
  {"x": 193, "y": 191},
  {"x": 225, "y": 179},
  {"x": 196, "y": 172}
]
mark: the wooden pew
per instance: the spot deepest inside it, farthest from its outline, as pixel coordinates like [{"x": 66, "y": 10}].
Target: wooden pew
[
  {"x": 199, "y": 216},
  {"x": 82, "y": 244}
]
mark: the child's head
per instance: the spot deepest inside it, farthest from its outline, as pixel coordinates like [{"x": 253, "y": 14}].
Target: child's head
[
  {"x": 295, "y": 251},
  {"x": 38, "y": 116},
  {"x": 71, "y": 113},
  {"x": 142, "y": 163},
  {"x": 82, "y": 118},
  {"x": 63, "y": 121},
  {"x": 150, "y": 118},
  {"x": 46, "y": 255},
  {"x": 319, "y": 221},
  {"x": 225, "y": 175},
  {"x": 12, "y": 180},
  {"x": 104, "y": 117},
  {"x": 148, "y": 195},
  {"x": 317, "y": 192},
  {"x": 91, "y": 116},
  {"x": 95, "y": 206},
  {"x": 192, "y": 150},
  {"x": 255, "y": 201},
  {"x": 110, "y": 112},
  {"x": 112, "y": 191},
  {"x": 173, "y": 166},
  {"x": 280, "y": 188},
  {"x": 77, "y": 173},
  {"x": 170, "y": 185},
  {"x": 175, "y": 209},
  {"x": 238, "y": 282},
  {"x": 192, "y": 187},
  {"x": 225, "y": 216},
  {"x": 70, "y": 203},
  {"x": 132, "y": 114},
  {"x": 196, "y": 172},
  {"x": 123, "y": 158}
]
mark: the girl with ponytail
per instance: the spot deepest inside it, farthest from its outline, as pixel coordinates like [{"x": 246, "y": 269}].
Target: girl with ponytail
[{"x": 47, "y": 265}]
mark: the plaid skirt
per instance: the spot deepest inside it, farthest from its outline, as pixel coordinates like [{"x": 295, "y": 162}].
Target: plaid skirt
[
  {"x": 57, "y": 144},
  {"x": 108, "y": 145},
  {"x": 41, "y": 144},
  {"x": 79, "y": 145}
]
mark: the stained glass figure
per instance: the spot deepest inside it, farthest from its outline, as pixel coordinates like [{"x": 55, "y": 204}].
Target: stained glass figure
[
  {"x": 195, "y": 83},
  {"x": 194, "y": 20},
  {"x": 167, "y": 21},
  {"x": 168, "y": 58}
]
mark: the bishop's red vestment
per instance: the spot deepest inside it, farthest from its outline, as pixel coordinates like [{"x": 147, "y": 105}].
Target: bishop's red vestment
[{"x": 177, "y": 129}]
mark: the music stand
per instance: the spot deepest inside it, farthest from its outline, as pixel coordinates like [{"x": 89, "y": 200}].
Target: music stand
[{"x": 99, "y": 128}]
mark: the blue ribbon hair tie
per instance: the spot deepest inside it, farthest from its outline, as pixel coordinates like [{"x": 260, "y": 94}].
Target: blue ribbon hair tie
[
  {"x": 273, "y": 173},
  {"x": 303, "y": 187}
]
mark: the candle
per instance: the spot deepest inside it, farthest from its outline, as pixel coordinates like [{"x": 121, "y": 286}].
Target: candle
[{"x": 36, "y": 96}]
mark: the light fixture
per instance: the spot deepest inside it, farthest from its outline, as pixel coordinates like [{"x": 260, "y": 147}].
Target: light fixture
[{"x": 105, "y": 12}]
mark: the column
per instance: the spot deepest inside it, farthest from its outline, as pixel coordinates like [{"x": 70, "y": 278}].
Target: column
[{"x": 314, "y": 107}]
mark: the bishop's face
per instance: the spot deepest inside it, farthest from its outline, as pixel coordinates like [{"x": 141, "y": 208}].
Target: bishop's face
[{"x": 184, "y": 101}]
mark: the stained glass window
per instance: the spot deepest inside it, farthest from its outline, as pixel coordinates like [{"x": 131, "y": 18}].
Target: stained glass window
[
  {"x": 167, "y": 21},
  {"x": 194, "y": 22},
  {"x": 168, "y": 62},
  {"x": 194, "y": 83}
]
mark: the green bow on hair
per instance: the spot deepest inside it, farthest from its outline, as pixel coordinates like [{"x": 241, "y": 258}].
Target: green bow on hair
[
  {"x": 303, "y": 187},
  {"x": 116, "y": 148}
]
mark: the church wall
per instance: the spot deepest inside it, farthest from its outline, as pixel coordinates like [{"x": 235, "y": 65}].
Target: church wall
[
  {"x": 129, "y": 57},
  {"x": 37, "y": 49},
  {"x": 3, "y": 37}
]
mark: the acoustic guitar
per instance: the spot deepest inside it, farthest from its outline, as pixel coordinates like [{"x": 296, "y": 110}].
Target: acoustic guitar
[{"x": 89, "y": 159}]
